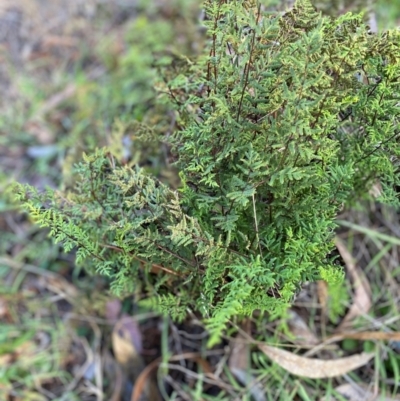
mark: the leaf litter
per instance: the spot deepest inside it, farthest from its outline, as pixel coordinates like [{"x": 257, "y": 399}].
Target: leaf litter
[
  {"x": 315, "y": 368},
  {"x": 239, "y": 363},
  {"x": 362, "y": 291}
]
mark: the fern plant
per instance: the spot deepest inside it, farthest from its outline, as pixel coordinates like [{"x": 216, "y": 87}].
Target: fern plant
[{"x": 284, "y": 120}]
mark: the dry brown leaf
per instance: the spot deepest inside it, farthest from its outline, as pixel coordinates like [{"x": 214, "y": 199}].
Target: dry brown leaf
[
  {"x": 362, "y": 290},
  {"x": 240, "y": 351},
  {"x": 143, "y": 380},
  {"x": 126, "y": 342},
  {"x": 359, "y": 392},
  {"x": 315, "y": 368},
  {"x": 127, "y": 345},
  {"x": 298, "y": 327},
  {"x": 368, "y": 335},
  {"x": 239, "y": 363}
]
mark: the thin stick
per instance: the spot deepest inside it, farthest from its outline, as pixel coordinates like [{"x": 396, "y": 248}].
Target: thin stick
[{"x": 256, "y": 225}]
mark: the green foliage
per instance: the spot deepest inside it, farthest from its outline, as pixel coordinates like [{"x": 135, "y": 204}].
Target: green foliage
[
  {"x": 283, "y": 121},
  {"x": 111, "y": 106},
  {"x": 338, "y": 300}
]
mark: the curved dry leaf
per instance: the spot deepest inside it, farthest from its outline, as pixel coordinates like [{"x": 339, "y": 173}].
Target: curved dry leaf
[
  {"x": 362, "y": 290},
  {"x": 314, "y": 368},
  {"x": 143, "y": 379},
  {"x": 298, "y": 327},
  {"x": 359, "y": 392},
  {"x": 127, "y": 341}
]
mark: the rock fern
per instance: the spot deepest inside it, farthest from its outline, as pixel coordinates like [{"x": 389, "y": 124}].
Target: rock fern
[{"x": 283, "y": 121}]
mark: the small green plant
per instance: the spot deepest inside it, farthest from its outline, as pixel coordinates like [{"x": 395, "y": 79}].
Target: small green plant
[{"x": 282, "y": 122}]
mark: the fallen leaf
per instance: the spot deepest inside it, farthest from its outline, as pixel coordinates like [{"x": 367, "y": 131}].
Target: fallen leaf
[
  {"x": 368, "y": 335},
  {"x": 127, "y": 341},
  {"x": 239, "y": 364},
  {"x": 298, "y": 327},
  {"x": 315, "y": 368},
  {"x": 362, "y": 290},
  {"x": 358, "y": 392},
  {"x": 127, "y": 346},
  {"x": 143, "y": 380},
  {"x": 240, "y": 352}
]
